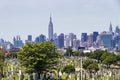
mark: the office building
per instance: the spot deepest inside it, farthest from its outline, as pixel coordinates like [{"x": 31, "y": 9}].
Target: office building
[
  {"x": 17, "y": 42},
  {"x": 61, "y": 40},
  {"x": 76, "y": 44},
  {"x": 84, "y": 37},
  {"x": 42, "y": 38},
  {"x": 50, "y": 30},
  {"x": 95, "y": 34},
  {"x": 90, "y": 40},
  {"x": 30, "y": 38},
  {"x": 110, "y": 28},
  {"x": 107, "y": 40}
]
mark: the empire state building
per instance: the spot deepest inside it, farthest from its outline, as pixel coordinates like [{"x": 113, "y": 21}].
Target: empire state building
[{"x": 50, "y": 30}]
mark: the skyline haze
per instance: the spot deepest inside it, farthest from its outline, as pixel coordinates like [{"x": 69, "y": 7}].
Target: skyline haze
[{"x": 25, "y": 17}]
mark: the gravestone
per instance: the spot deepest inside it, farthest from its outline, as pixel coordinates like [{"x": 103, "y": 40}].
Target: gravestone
[{"x": 35, "y": 76}]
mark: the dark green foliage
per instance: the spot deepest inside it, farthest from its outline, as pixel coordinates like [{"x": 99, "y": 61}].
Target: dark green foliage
[
  {"x": 78, "y": 53},
  {"x": 11, "y": 55},
  {"x": 110, "y": 59},
  {"x": 90, "y": 65},
  {"x": 68, "y": 51},
  {"x": 103, "y": 57},
  {"x": 90, "y": 55},
  {"x": 97, "y": 55},
  {"x": 38, "y": 57},
  {"x": 2, "y": 59},
  {"x": 118, "y": 57},
  {"x": 69, "y": 69},
  {"x": 86, "y": 63},
  {"x": 93, "y": 67}
]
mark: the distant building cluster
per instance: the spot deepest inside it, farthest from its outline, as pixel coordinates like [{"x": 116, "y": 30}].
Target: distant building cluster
[{"x": 109, "y": 40}]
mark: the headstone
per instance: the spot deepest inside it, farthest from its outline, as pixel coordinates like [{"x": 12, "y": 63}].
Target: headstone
[
  {"x": 35, "y": 76},
  {"x": 60, "y": 74},
  {"x": 20, "y": 72},
  {"x": 12, "y": 69}
]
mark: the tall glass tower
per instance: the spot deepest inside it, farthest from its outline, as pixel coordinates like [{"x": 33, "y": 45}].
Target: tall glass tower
[
  {"x": 110, "y": 28},
  {"x": 50, "y": 29}
]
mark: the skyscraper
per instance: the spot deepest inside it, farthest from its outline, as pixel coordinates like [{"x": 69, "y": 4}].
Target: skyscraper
[
  {"x": 95, "y": 34},
  {"x": 90, "y": 40},
  {"x": 42, "y": 38},
  {"x": 117, "y": 30},
  {"x": 30, "y": 38},
  {"x": 61, "y": 40},
  {"x": 50, "y": 29},
  {"x": 18, "y": 43},
  {"x": 110, "y": 28},
  {"x": 107, "y": 40},
  {"x": 84, "y": 37}
]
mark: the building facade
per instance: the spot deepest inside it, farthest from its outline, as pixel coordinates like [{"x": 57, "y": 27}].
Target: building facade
[
  {"x": 50, "y": 30},
  {"x": 61, "y": 40}
]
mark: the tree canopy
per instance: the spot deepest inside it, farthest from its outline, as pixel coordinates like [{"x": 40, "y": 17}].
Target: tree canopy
[
  {"x": 118, "y": 57},
  {"x": 110, "y": 59},
  {"x": 68, "y": 51},
  {"x": 97, "y": 54},
  {"x": 69, "y": 69},
  {"x": 38, "y": 57},
  {"x": 2, "y": 59},
  {"x": 11, "y": 55},
  {"x": 90, "y": 65},
  {"x": 78, "y": 53}
]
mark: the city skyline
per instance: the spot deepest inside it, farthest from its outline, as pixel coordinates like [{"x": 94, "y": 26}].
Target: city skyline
[{"x": 32, "y": 17}]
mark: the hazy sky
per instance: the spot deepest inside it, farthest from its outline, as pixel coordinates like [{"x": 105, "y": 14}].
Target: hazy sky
[{"x": 24, "y": 17}]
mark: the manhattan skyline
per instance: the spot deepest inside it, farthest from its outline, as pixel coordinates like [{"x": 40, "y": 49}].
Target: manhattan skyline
[{"x": 75, "y": 16}]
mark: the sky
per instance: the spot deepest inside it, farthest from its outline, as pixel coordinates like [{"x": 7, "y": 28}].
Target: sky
[{"x": 25, "y": 17}]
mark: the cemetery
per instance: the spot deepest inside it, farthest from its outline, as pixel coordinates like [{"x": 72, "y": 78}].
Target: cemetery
[{"x": 42, "y": 61}]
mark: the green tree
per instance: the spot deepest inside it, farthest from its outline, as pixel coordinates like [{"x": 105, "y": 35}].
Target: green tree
[
  {"x": 110, "y": 59},
  {"x": 69, "y": 69},
  {"x": 93, "y": 67},
  {"x": 11, "y": 55},
  {"x": 90, "y": 55},
  {"x": 104, "y": 55},
  {"x": 118, "y": 57},
  {"x": 90, "y": 66},
  {"x": 68, "y": 51},
  {"x": 86, "y": 63},
  {"x": 2, "y": 59},
  {"x": 38, "y": 57},
  {"x": 77, "y": 53},
  {"x": 97, "y": 55}
]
